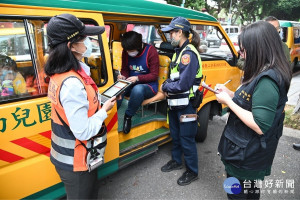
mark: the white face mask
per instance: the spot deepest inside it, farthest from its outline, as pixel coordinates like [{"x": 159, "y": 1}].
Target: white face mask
[
  {"x": 174, "y": 42},
  {"x": 88, "y": 45},
  {"x": 133, "y": 53}
]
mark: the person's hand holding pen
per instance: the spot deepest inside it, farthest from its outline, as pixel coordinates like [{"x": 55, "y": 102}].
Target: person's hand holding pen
[
  {"x": 225, "y": 95},
  {"x": 120, "y": 76}
]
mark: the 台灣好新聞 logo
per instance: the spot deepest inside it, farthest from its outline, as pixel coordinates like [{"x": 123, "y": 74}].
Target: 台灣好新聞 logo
[{"x": 232, "y": 185}]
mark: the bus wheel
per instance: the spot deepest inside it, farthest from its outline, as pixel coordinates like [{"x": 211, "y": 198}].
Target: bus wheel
[{"x": 203, "y": 117}]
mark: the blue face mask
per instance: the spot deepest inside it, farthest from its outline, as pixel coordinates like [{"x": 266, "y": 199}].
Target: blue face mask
[{"x": 88, "y": 44}]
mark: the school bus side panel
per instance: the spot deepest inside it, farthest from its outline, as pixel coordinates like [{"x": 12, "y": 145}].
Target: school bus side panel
[{"x": 25, "y": 138}]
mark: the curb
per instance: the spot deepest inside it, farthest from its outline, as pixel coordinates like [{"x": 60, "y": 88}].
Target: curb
[{"x": 295, "y": 133}]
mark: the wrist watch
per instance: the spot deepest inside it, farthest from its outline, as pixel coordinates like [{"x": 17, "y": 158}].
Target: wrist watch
[{"x": 137, "y": 78}]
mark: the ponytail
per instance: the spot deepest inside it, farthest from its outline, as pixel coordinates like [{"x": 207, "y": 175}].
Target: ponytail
[{"x": 194, "y": 38}]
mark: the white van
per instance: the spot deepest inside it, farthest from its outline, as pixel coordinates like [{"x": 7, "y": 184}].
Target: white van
[{"x": 231, "y": 29}]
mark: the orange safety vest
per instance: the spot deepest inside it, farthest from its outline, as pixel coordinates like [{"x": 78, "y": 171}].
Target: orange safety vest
[{"x": 66, "y": 151}]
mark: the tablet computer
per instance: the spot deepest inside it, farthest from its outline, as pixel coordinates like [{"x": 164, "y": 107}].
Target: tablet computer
[{"x": 117, "y": 88}]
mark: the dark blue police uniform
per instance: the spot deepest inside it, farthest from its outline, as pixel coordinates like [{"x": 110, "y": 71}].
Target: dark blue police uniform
[{"x": 183, "y": 134}]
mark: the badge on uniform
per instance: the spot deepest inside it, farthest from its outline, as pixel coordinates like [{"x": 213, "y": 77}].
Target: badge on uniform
[{"x": 185, "y": 59}]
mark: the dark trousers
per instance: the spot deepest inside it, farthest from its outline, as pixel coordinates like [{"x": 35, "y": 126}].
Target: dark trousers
[
  {"x": 79, "y": 185},
  {"x": 250, "y": 192},
  {"x": 183, "y": 138},
  {"x": 138, "y": 93}
]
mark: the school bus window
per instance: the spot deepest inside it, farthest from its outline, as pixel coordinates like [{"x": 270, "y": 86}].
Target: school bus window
[
  {"x": 107, "y": 30},
  {"x": 296, "y": 36},
  {"x": 96, "y": 61},
  {"x": 149, "y": 33},
  {"x": 283, "y": 34},
  {"x": 36, "y": 81},
  {"x": 15, "y": 60},
  {"x": 212, "y": 44}
]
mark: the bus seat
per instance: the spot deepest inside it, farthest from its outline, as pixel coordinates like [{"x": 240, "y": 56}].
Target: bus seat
[
  {"x": 117, "y": 50},
  {"x": 164, "y": 64},
  {"x": 167, "y": 49}
]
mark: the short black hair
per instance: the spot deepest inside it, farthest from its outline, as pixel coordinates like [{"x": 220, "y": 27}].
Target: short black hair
[
  {"x": 270, "y": 18},
  {"x": 132, "y": 41}
]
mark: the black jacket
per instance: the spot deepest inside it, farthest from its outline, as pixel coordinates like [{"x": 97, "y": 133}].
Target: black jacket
[{"x": 241, "y": 146}]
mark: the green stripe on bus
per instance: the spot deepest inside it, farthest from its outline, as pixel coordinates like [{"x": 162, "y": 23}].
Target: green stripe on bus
[
  {"x": 143, "y": 7},
  {"x": 136, "y": 156},
  {"x": 142, "y": 138},
  {"x": 54, "y": 192}
]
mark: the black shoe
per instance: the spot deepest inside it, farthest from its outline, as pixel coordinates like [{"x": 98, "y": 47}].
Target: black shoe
[
  {"x": 126, "y": 124},
  {"x": 170, "y": 166},
  {"x": 296, "y": 146},
  {"x": 187, "y": 177}
]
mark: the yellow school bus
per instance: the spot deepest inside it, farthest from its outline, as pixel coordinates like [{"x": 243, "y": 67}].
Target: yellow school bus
[
  {"x": 25, "y": 134},
  {"x": 290, "y": 34}
]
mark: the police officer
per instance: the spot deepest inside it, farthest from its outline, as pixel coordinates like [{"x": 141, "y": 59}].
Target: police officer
[{"x": 185, "y": 77}]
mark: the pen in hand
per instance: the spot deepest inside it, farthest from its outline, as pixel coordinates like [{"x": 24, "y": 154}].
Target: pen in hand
[
  {"x": 227, "y": 82},
  {"x": 120, "y": 76},
  {"x": 224, "y": 83}
]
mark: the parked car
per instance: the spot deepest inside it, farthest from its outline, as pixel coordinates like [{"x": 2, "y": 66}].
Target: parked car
[{"x": 213, "y": 40}]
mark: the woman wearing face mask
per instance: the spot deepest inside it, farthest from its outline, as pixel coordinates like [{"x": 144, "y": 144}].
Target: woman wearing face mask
[
  {"x": 76, "y": 116},
  {"x": 140, "y": 65},
  {"x": 185, "y": 78}
]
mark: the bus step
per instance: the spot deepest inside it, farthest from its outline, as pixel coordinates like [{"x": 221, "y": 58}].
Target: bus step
[
  {"x": 139, "y": 154},
  {"x": 142, "y": 140}
]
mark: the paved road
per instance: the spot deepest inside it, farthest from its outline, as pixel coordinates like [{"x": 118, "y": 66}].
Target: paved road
[{"x": 144, "y": 180}]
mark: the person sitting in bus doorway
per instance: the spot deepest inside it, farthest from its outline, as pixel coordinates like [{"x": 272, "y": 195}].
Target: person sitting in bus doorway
[
  {"x": 185, "y": 78},
  {"x": 140, "y": 65},
  {"x": 77, "y": 117}
]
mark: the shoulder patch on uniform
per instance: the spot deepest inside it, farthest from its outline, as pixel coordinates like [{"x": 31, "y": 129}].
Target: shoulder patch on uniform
[{"x": 186, "y": 59}]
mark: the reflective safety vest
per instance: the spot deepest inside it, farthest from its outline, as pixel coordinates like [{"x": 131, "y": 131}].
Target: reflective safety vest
[
  {"x": 180, "y": 100},
  {"x": 66, "y": 151}
]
